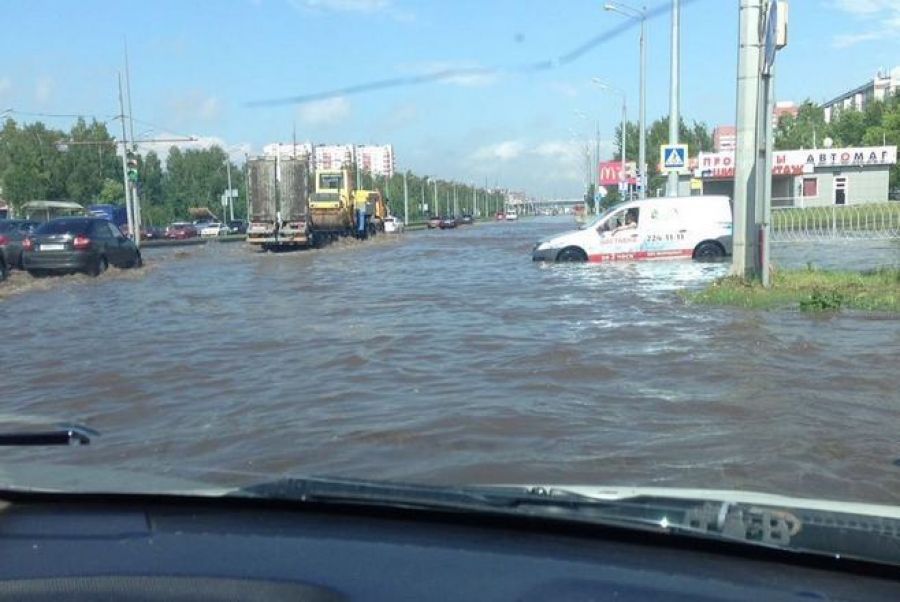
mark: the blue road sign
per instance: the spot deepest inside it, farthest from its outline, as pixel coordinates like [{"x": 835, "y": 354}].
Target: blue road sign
[{"x": 674, "y": 157}]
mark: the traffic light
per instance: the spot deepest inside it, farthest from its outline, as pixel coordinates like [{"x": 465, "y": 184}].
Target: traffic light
[{"x": 132, "y": 165}]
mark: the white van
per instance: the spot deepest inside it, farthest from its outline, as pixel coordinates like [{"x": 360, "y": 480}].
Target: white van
[{"x": 660, "y": 228}]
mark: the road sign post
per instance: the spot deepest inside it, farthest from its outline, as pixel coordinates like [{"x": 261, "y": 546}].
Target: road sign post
[{"x": 674, "y": 160}]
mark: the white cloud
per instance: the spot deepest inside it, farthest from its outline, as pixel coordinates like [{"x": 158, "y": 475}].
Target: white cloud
[
  {"x": 564, "y": 89},
  {"x": 235, "y": 151},
  {"x": 195, "y": 106},
  {"x": 880, "y": 19},
  {"x": 43, "y": 89},
  {"x": 324, "y": 112},
  {"x": 362, "y": 6},
  {"x": 502, "y": 151}
]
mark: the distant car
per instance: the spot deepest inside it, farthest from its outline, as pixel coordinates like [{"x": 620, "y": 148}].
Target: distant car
[
  {"x": 511, "y": 216},
  {"x": 434, "y": 222},
  {"x": 181, "y": 231},
  {"x": 214, "y": 229},
  {"x": 466, "y": 220},
  {"x": 393, "y": 225},
  {"x": 448, "y": 223},
  {"x": 152, "y": 233},
  {"x": 500, "y": 216},
  {"x": 237, "y": 227},
  {"x": 78, "y": 244},
  {"x": 12, "y": 232}
]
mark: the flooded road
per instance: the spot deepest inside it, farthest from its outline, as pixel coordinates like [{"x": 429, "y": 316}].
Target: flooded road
[{"x": 449, "y": 357}]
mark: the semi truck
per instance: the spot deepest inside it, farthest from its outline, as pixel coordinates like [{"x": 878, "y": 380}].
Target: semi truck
[
  {"x": 279, "y": 203},
  {"x": 286, "y": 211}
]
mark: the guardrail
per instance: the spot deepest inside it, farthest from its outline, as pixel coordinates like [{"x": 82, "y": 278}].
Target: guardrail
[{"x": 865, "y": 221}]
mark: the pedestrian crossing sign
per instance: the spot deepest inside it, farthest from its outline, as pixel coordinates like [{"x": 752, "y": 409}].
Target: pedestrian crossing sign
[{"x": 674, "y": 157}]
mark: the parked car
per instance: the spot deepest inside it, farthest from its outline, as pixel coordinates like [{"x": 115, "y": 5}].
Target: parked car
[
  {"x": 181, "y": 231},
  {"x": 393, "y": 225},
  {"x": 500, "y": 216},
  {"x": 511, "y": 216},
  {"x": 237, "y": 227},
  {"x": 78, "y": 244},
  {"x": 448, "y": 222},
  {"x": 466, "y": 220},
  {"x": 12, "y": 232},
  {"x": 213, "y": 229},
  {"x": 152, "y": 232},
  {"x": 434, "y": 222}
]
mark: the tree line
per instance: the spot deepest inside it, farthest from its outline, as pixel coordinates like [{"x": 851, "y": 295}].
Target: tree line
[{"x": 82, "y": 165}]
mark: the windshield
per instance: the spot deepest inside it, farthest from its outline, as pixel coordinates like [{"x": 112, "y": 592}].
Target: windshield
[{"x": 738, "y": 332}]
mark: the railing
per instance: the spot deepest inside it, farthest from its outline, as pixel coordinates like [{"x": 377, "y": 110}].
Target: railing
[{"x": 865, "y": 221}]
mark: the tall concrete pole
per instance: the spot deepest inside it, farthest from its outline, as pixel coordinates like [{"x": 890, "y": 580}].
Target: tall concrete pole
[
  {"x": 128, "y": 206},
  {"x": 745, "y": 261},
  {"x": 674, "y": 116},
  {"x": 436, "y": 207},
  {"x": 231, "y": 198},
  {"x": 405, "y": 200},
  {"x": 642, "y": 151}
]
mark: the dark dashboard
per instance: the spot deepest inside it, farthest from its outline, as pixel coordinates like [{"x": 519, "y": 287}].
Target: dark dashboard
[{"x": 156, "y": 548}]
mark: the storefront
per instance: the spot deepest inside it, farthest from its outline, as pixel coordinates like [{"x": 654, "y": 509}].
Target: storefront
[{"x": 811, "y": 178}]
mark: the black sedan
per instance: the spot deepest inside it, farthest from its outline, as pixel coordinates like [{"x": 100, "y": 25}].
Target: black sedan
[
  {"x": 78, "y": 244},
  {"x": 448, "y": 222},
  {"x": 12, "y": 233}
]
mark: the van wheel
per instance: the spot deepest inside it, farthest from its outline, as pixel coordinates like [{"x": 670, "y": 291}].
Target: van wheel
[
  {"x": 138, "y": 261},
  {"x": 572, "y": 255},
  {"x": 708, "y": 251},
  {"x": 3, "y": 269}
]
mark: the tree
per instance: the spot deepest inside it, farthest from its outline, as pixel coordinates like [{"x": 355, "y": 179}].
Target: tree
[
  {"x": 112, "y": 192},
  {"x": 697, "y": 137}
]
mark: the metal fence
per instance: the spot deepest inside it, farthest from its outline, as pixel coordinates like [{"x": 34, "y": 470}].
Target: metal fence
[{"x": 867, "y": 221}]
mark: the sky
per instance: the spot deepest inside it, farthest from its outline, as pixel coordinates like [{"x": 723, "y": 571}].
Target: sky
[{"x": 198, "y": 65}]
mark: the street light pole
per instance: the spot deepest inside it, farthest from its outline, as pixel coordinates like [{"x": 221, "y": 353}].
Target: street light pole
[
  {"x": 674, "y": 118},
  {"x": 605, "y": 86}
]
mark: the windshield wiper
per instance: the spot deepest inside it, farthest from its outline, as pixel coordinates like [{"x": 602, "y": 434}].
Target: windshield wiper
[
  {"x": 73, "y": 434},
  {"x": 796, "y": 529}
]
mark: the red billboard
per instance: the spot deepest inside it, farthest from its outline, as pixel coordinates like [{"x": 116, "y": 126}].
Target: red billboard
[{"x": 611, "y": 173}]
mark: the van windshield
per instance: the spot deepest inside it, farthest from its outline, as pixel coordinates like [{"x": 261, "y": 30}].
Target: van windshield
[{"x": 596, "y": 221}]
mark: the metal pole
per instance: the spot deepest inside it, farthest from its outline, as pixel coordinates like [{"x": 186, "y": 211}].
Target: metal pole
[
  {"x": 746, "y": 251},
  {"x": 766, "y": 200},
  {"x": 674, "y": 118},
  {"x": 436, "y": 208},
  {"x": 624, "y": 124},
  {"x": 405, "y": 200},
  {"x": 596, "y": 168},
  {"x": 128, "y": 207},
  {"x": 230, "y": 198},
  {"x": 642, "y": 152},
  {"x": 135, "y": 196},
  {"x": 474, "y": 202}
]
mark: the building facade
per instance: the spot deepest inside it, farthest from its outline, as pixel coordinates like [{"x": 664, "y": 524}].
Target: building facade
[
  {"x": 811, "y": 177},
  {"x": 375, "y": 159},
  {"x": 724, "y": 138},
  {"x": 882, "y": 85}
]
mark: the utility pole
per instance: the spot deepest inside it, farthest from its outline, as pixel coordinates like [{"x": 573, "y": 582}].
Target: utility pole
[
  {"x": 674, "y": 117},
  {"x": 596, "y": 168},
  {"x": 230, "y": 196},
  {"x": 455, "y": 199},
  {"x": 405, "y": 200},
  {"x": 135, "y": 196},
  {"x": 436, "y": 206},
  {"x": 745, "y": 261},
  {"x": 474, "y": 201},
  {"x": 128, "y": 208}
]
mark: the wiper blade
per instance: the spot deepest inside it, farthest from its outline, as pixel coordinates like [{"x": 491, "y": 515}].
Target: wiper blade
[
  {"x": 797, "y": 529},
  {"x": 64, "y": 435}
]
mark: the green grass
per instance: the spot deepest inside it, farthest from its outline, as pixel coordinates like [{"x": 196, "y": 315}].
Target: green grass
[{"x": 808, "y": 290}]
